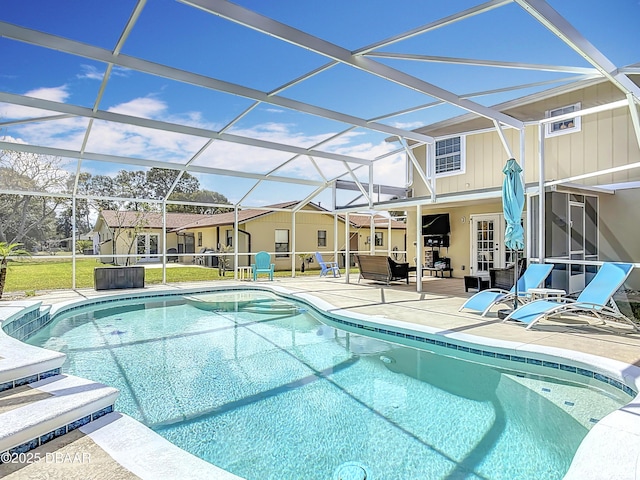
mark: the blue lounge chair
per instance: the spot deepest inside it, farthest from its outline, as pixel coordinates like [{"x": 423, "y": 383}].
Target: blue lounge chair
[
  {"x": 533, "y": 276},
  {"x": 596, "y": 299},
  {"x": 263, "y": 265},
  {"x": 327, "y": 267}
]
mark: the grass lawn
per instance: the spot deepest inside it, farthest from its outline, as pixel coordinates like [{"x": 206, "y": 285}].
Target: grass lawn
[{"x": 33, "y": 274}]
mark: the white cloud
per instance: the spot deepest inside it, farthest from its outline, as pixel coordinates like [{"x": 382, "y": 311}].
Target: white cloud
[
  {"x": 259, "y": 160},
  {"x": 66, "y": 133},
  {"x": 409, "y": 125},
  {"x": 10, "y": 139},
  {"x": 90, "y": 72},
  {"x": 18, "y": 112},
  {"x": 55, "y": 94},
  {"x": 145, "y": 107},
  {"x": 132, "y": 141}
]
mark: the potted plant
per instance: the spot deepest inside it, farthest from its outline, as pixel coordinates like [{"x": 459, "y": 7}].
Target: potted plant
[
  {"x": 304, "y": 258},
  {"x": 7, "y": 250},
  {"x": 224, "y": 264}
]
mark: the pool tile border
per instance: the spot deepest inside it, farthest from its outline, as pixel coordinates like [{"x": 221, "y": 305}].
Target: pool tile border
[
  {"x": 489, "y": 353},
  {"x": 35, "y": 325},
  {"x": 28, "y": 380},
  {"x": 24, "y": 326},
  {"x": 10, "y": 455}
]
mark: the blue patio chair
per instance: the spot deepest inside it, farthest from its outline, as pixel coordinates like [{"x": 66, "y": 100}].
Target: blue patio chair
[
  {"x": 595, "y": 300},
  {"x": 533, "y": 276},
  {"x": 263, "y": 265},
  {"x": 327, "y": 267}
]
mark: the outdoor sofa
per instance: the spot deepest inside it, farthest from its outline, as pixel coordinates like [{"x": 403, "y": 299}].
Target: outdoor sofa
[{"x": 381, "y": 269}]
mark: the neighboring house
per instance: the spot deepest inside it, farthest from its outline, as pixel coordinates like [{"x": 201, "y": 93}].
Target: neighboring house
[
  {"x": 592, "y": 185},
  {"x": 272, "y": 231},
  {"x": 119, "y": 233}
]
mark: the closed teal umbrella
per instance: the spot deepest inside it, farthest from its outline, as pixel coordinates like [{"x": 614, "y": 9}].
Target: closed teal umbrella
[{"x": 512, "y": 205}]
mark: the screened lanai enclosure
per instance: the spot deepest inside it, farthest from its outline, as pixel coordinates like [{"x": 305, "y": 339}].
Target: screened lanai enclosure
[{"x": 175, "y": 124}]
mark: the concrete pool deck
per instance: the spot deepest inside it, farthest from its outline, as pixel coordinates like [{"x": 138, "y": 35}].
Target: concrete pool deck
[{"x": 437, "y": 307}]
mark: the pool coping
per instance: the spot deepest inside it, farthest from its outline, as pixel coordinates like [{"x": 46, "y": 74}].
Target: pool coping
[{"x": 605, "y": 439}]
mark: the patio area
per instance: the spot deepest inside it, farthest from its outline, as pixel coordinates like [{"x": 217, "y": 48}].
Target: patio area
[{"x": 436, "y": 307}]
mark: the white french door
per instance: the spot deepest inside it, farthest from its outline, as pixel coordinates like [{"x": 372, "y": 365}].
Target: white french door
[
  {"x": 487, "y": 243},
  {"x": 147, "y": 245}
]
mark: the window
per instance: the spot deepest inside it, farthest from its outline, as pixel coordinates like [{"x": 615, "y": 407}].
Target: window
[
  {"x": 322, "y": 238},
  {"x": 450, "y": 156},
  {"x": 282, "y": 243},
  {"x": 566, "y": 125},
  {"x": 379, "y": 239},
  {"x": 229, "y": 238},
  {"x": 199, "y": 239}
]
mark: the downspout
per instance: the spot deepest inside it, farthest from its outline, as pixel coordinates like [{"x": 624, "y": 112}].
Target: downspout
[{"x": 248, "y": 244}]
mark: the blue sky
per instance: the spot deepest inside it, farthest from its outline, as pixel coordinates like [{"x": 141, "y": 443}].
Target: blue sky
[{"x": 172, "y": 33}]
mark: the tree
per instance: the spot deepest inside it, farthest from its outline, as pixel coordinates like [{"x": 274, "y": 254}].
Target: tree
[
  {"x": 7, "y": 250},
  {"x": 100, "y": 186},
  {"x": 160, "y": 180},
  {"x": 64, "y": 226},
  {"x": 28, "y": 218},
  {"x": 154, "y": 184},
  {"x": 83, "y": 205},
  {"x": 132, "y": 185},
  {"x": 32, "y": 219},
  {"x": 82, "y": 245},
  {"x": 201, "y": 196}
]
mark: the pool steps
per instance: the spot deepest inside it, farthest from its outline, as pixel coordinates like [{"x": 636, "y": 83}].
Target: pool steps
[
  {"x": 22, "y": 364},
  {"x": 65, "y": 403},
  {"x": 62, "y": 403}
]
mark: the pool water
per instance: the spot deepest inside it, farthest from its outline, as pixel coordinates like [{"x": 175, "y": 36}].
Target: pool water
[{"x": 260, "y": 387}]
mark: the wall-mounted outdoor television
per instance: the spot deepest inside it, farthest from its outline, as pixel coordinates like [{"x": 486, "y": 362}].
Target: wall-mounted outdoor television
[{"x": 436, "y": 224}]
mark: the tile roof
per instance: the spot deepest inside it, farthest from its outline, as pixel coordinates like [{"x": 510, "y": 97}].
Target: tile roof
[
  {"x": 219, "y": 219},
  {"x": 182, "y": 221},
  {"x": 128, "y": 218}
]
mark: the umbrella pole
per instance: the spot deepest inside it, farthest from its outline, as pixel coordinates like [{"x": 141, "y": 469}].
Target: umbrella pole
[{"x": 515, "y": 279}]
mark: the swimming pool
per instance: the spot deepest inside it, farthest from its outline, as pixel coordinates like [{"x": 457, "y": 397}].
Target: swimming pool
[{"x": 262, "y": 388}]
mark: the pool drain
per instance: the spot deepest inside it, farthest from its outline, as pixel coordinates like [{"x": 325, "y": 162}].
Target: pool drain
[{"x": 351, "y": 471}]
